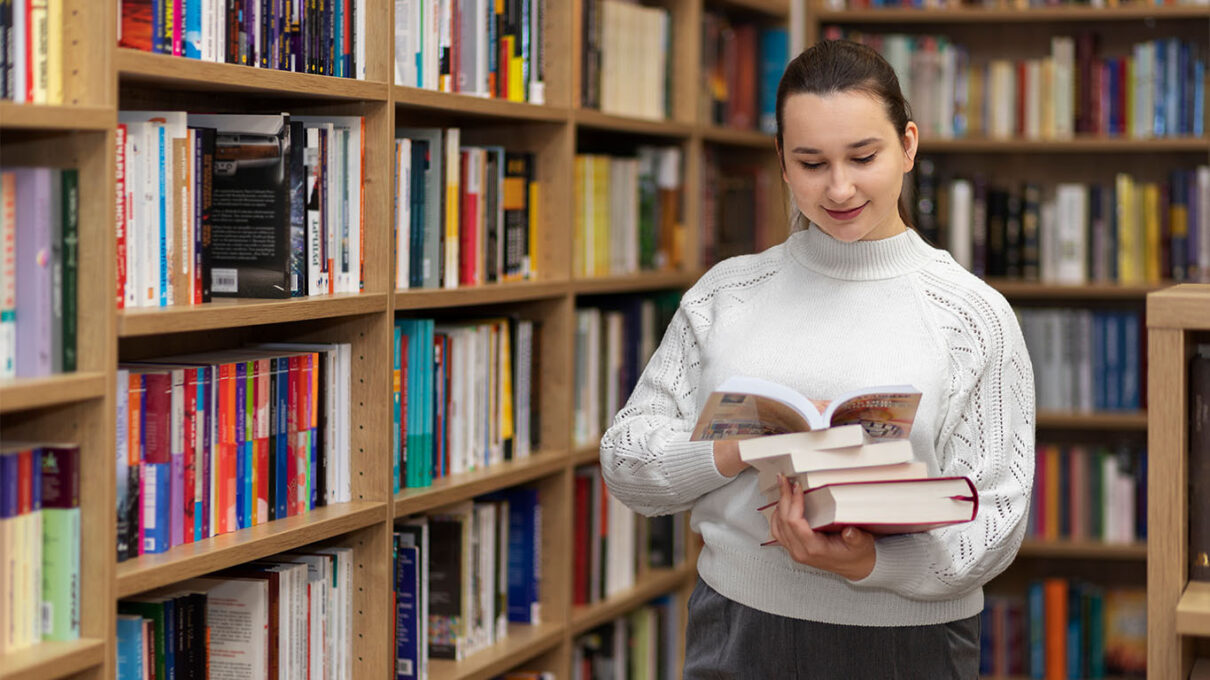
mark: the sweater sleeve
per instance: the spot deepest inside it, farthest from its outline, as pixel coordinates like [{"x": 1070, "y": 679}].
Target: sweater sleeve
[
  {"x": 987, "y": 436},
  {"x": 647, "y": 459}
]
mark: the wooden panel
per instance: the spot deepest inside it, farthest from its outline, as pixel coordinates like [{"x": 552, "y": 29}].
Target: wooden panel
[
  {"x": 595, "y": 120},
  {"x": 1183, "y": 306},
  {"x": 657, "y": 582},
  {"x": 148, "y": 572},
  {"x": 45, "y": 117},
  {"x": 634, "y": 283},
  {"x": 454, "y": 488},
  {"x": 1087, "y": 550},
  {"x": 19, "y": 394},
  {"x": 1126, "y": 421},
  {"x": 486, "y": 107},
  {"x": 1193, "y": 610},
  {"x": 724, "y": 136},
  {"x": 522, "y": 643},
  {"x": 1021, "y": 291},
  {"x": 241, "y": 312},
  {"x": 997, "y": 16},
  {"x": 490, "y": 294},
  {"x": 48, "y": 660},
  {"x": 89, "y": 34},
  {"x": 559, "y": 45},
  {"x": 1166, "y": 499}
]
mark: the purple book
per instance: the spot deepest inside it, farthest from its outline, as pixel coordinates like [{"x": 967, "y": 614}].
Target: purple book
[
  {"x": 35, "y": 202},
  {"x": 60, "y": 476},
  {"x": 176, "y": 509}
]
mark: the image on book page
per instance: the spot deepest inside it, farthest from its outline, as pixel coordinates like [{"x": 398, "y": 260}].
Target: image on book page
[{"x": 745, "y": 407}]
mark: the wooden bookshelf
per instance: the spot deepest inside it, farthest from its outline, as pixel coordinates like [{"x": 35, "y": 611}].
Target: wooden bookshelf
[
  {"x": 465, "y": 485},
  {"x": 653, "y": 584},
  {"x": 1178, "y": 610},
  {"x": 521, "y": 644},
  {"x": 749, "y": 139},
  {"x": 466, "y": 105},
  {"x": 53, "y": 660},
  {"x": 1084, "y": 550},
  {"x": 21, "y": 394},
  {"x": 240, "y": 312},
  {"x": 646, "y": 281},
  {"x": 490, "y": 294},
  {"x": 1035, "y": 291},
  {"x": 1115, "y": 421},
  {"x": 596, "y": 120},
  {"x": 49, "y": 117}
]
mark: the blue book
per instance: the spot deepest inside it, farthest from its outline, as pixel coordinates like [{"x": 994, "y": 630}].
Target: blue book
[
  {"x": 1160, "y": 113},
  {"x": 130, "y": 647},
  {"x": 165, "y": 192},
  {"x": 1199, "y": 97},
  {"x": 156, "y": 499},
  {"x": 242, "y": 473},
  {"x": 408, "y": 404},
  {"x": 524, "y": 554},
  {"x": 1095, "y": 631},
  {"x": 1036, "y": 605},
  {"x": 1131, "y": 370},
  {"x": 1075, "y": 630},
  {"x": 1113, "y": 362},
  {"x": 430, "y": 412},
  {"x": 192, "y": 10},
  {"x": 407, "y": 611},
  {"x": 281, "y": 462},
  {"x": 201, "y": 463},
  {"x": 396, "y": 405},
  {"x": 1098, "y": 362},
  {"x": 774, "y": 53},
  {"x": 1172, "y": 87}
]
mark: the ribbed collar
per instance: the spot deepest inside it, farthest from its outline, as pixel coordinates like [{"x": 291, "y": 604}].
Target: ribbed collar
[{"x": 860, "y": 260}]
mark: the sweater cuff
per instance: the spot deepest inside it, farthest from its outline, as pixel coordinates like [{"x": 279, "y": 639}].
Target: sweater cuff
[
  {"x": 898, "y": 561},
  {"x": 689, "y": 468}
]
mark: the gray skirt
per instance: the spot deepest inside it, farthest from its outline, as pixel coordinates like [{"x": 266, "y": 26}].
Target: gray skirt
[{"x": 725, "y": 639}]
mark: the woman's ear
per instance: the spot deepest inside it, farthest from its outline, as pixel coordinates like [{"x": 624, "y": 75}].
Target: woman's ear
[{"x": 911, "y": 140}]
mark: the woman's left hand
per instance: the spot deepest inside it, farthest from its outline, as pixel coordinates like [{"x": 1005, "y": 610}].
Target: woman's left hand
[{"x": 849, "y": 553}]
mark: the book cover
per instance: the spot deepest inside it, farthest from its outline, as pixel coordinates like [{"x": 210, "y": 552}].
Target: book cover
[
  {"x": 8, "y": 274},
  {"x": 1199, "y": 465},
  {"x": 250, "y": 205},
  {"x": 34, "y": 270}
]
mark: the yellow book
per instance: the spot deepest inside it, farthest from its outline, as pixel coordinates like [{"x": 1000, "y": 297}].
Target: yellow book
[
  {"x": 507, "y": 424},
  {"x": 1151, "y": 232},
  {"x": 1129, "y": 112},
  {"x": 977, "y": 126},
  {"x": 516, "y": 78},
  {"x": 39, "y": 22},
  {"x": 531, "y": 267},
  {"x": 601, "y": 217},
  {"x": 453, "y": 194},
  {"x": 580, "y": 235},
  {"x": 1048, "y": 106},
  {"x": 54, "y": 52},
  {"x": 1128, "y": 244}
]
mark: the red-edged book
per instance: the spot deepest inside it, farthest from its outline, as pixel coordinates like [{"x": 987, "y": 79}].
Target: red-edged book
[{"x": 901, "y": 506}]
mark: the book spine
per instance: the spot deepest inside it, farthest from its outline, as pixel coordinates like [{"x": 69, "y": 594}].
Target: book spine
[
  {"x": 8, "y": 274},
  {"x": 1199, "y": 466}
]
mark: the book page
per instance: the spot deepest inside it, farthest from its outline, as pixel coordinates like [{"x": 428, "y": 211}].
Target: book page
[
  {"x": 735, "y": 415},
  {"x": 884, "y": 412}
]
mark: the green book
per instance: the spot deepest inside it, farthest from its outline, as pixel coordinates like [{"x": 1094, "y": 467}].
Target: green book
[
  {"x": 60, "y": 574},
  {"x": 71, "y": 266}
]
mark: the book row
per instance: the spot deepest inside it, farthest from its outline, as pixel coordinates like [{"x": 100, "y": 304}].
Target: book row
[
  {"x": 1065, "y": 629},
  {"x": 462, "y": 575},
  {"x": 287, "y": 616},
  {"x": 465, "y": 396},
  {"x": 269, "y": 206},
  {"x": 325, "y": 37},
  {"x": 625, "y": 67},
  {"x": 640, "y": 646},
  {"x": 485, "y": 48},
  {"x": 31, "y": 51},
  {"x": 613, "y": 544},
  {"x": 1089, "y": 493},
  {"x": 39, "y": 270},
  {"x": 1127, "y": 231},
  {"x": 836, "y": 5},
  {"x": 39, "y": 543},
  {"x": 212, "y": 443},
  {"x": 464, "y": 215},
  {"x": 628, "y": 212},
  {"x": 1158, "y": 90},
  {"x": 735, "y": 200},
  {"x": 613, "y": 343},
  {"x": 742, "y": 65},
  {"x": 1086, "y": 360}
]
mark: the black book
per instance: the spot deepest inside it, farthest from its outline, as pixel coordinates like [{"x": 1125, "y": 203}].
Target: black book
[
  {"x": 1199, "y": 465},
  {"x": 1012, "y": 235},
  {"x": 518, "y": 176},
  {"x": 250, "y": 205}
]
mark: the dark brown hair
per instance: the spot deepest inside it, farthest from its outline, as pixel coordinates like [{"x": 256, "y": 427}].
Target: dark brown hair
[{"x": 835, "y": 66}]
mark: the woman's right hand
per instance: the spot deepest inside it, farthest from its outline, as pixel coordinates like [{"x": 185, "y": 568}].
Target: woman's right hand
[{"x": 726, "y": 457}]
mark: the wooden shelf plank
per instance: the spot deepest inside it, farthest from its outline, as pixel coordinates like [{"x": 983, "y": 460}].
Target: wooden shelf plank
[
  {"x": 752, "y": 139},
  {"x": 586, "y": 455},
  {"x": 656, "y": 583},
  {"x": 468, "y": 484},
  {"x": 49, "y": 660},
  {"x": 523, "y": 642},
  {"x": 1089, "y": 550},
  {"x": 1193, "y": 610},
  {"x": 595, "y": 120},
  {"x": 490, "y": 294},
  {"x": 1017, "y": 289},
  {"x": 148, "y": 572},
  {"x": 20, "y": 394},
  {"x": 1186, "y": 307},
  {"x": 1124, "y": 420},
  {"x": 1076, "y": 145},
  {"x": 994, "y": 16},
  {"x": 236, "y": 312},
  {"x": 46, "y": 117},
  {"x": 195, "y": 74},
  {"x": 644, "y": 281},
  {"x": 461, "y": 104},
  {"x": 773, "y": 8}
]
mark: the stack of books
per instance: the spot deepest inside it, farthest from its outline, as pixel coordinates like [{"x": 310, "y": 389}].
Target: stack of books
[{"x": 851, "y": 456}]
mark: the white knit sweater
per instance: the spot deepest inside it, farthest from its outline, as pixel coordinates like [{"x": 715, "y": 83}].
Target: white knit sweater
[{"x": 823, "y": 317}]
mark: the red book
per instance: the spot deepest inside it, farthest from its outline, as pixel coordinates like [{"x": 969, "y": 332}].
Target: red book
[
  {"x": 136, "y": 25},
  {"x": 157, "y": 416},
  {"x": 583, "y": 527},
  {"x": 120, "y": 209},
  {"x": 224, "y": 478},
  {"x": 467, "y": 233},
  {"x": 189, "y": 498},
  {"x": 60, "y": 475}
]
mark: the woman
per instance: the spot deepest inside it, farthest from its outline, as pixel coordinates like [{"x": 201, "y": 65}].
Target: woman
[{"x": 854, "y": 298}]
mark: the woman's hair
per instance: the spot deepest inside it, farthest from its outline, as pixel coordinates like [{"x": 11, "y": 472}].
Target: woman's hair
[{"x": 835, "y": 66}]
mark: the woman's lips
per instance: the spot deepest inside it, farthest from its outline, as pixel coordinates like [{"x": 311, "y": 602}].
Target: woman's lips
[{"x": 844, "y": 215}]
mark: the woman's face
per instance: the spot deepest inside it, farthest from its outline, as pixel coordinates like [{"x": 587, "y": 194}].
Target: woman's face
[{"x": 844, "y": 163}]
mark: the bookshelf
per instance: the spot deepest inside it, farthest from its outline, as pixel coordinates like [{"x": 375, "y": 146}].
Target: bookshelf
[
  {"x": 102, "y": 78},
  {"x": 1178, "y": 610}
]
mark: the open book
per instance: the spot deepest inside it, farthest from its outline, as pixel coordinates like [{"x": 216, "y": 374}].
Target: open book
[
  {"x": 744, "y": 407},
  {"x": 889, "y": 506}
]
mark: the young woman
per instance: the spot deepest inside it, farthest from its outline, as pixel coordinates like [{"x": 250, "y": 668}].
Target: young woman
[{"x": 853, "y": 298}]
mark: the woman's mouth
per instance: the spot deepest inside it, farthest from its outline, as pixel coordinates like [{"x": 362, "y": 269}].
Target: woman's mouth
[{"x": 845, "y": 215}]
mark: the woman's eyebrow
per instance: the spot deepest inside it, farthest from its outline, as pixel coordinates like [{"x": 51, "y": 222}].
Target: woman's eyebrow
[{"x": 854, "y": 145}]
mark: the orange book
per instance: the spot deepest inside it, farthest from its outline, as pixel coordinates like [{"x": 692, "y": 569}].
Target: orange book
[
  {"x": 1055, "y": 627},
  {"x": 225, "y": 478}
]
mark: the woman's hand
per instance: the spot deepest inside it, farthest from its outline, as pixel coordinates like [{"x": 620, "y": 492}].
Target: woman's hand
[
  {"x": 849, "y": 553},
  {"x": 726, "y": 457}
]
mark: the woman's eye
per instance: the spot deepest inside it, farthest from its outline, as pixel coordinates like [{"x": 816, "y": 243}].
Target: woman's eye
[
  {"x": 865, "y": 159},
  {"x": 810, "y": 166}
]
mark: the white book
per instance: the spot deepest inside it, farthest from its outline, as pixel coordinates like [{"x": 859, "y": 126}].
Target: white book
[
  {"x": 1203, "y": 222},
  {"x": 961, "y": 213},
  {"x": 360, "y": 39},
  {"x": 168, "y": 218},
  {"x": 1033, "y": 99},
  {"x": 1072, "y": 256},
  {"x": 237, "y": 614},
  {"x": 403, "y": 211},
  {"x": 620, "y": 570},
  {"x": 1062, "y": 49}
]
